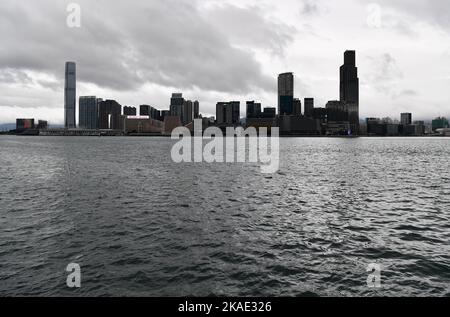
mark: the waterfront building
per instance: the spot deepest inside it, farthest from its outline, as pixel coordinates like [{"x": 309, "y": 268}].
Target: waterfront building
[
  {"x": 110, "y": 115},
  {"x": 406, "y": 119},
  {"x": 286, "y": 94},
  {"x": 70, "y": 96},
  {"x": 309, "y": 107},
  {"x": 228, "y": 113},
  {"x": 349, "y": 89},
  {"x": 253, "y": 109},
  {"x": 88, "y": 113},
  {"x": 129, "y": 111}
]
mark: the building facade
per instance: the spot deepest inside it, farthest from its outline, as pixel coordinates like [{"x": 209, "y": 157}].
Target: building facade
[
  {"x": 88, "y": 113},
  {"x": 110, "y": 115},
  {"x": 349, "y": 89},
  {"x": 309, "y": 107},
  {"x": 228, "y": 113},
  {"x": 70, "y": 93},
  {"x": 286, "y": 94}
]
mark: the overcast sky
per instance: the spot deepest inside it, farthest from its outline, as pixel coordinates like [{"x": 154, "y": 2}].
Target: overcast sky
[{"x": 139, "y": 52}]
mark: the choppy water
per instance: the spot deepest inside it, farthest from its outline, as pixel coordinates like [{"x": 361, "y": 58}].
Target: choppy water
[{"x": 141, "y": 225}]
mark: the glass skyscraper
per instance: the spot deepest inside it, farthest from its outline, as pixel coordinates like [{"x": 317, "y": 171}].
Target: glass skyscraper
[
  {"x": 286, "y": 94},
  {"x": 70, "y": 93},
  {"x": 88, "y": 113}
]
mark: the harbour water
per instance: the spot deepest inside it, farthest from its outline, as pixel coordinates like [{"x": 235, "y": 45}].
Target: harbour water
[{"x": 140, "y": 225}]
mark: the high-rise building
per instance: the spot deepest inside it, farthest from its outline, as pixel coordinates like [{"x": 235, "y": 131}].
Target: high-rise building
[
  {"x": 406, "y": 118},
  {"x": 297, "y": 107},
  {"x": 309, "y": 107},
  {"x": 253, "y": 109},
  {"x": 176, "y": 105},
  {"x": 228, "y": 113},
  {"x": 88, "y": 113},
  {"x": 129, "y": 111},
  {"x": 187, "y": 113},
  {"x": 70, "y": 93},
  {"x": 196, "y": 109},
  {"x": 110, "y": 115},
  {"x": 349, "y": 89},
  {"x": 286, "y": 94}
]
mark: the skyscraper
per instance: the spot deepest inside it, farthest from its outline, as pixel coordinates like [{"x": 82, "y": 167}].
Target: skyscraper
[
  {"x": 176, "y": 105},
  {"x": 253, "y": 109},
  {"x": 88, "y": 113},
  {"x": 349, "y": 89},
  {"x": 297, "y": 107},
  {"x": 187, "y": 112},
  {"x": 228, "y": 113},
  {"x": 70, "y": 93},
  {"x": 309, "y": 107},
  {"x": 110, "y": 115},
  {"x": 286, "y": 94},
  {"x": 406, "y": 118},
  {"x": 196, "y": 109}
]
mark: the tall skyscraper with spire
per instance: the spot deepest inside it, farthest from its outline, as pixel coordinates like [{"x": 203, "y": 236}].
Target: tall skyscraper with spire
[
  {"x": 70, "y": 95},
  {"x": 349, "y": 89}
]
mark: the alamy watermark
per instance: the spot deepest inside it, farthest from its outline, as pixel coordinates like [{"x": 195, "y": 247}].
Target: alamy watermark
[
  {"x": 231, "y": 148},
  {"x": 74, "y": 17},
  {"x": 74, "y": 278},
  {"x": 374, "y": 18}
]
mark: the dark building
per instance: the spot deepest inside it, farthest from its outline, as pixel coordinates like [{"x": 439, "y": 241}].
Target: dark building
[
  {"x": 349, "y": 89},
  {"x": 24, "y": 124},
  {"x": 144, "y": 110},
  {"x": 298, "y": 125},
  {"x": 164, "y": 114},
  {"x": 406, "y": 118},
  {"x": 253, "y": 109},
  {"x": 88, "y": 114},
  {"x": 286, "y": 94},
  {"x": 110, "y": 115},
  {"x": 129, "y": 111},
  {"x": 269, "y": 113},
  {"x": 176, "y": 105},
  {"x": 297, "y": 107},
  {"x": 196, "y": 110},
  {"x": 337, "y": 111},
  {"x": 42, "y": 125},
  {"x": 228, "y": 113},
  {"x": 375, "y": 127},
  {"x": 439, "y": 123},
  {"x": 70, "y": 92},
  {"x": 309, "y": 107}
]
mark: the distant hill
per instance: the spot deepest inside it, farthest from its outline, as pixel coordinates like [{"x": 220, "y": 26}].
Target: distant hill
[{"x": 7, "y": 126}]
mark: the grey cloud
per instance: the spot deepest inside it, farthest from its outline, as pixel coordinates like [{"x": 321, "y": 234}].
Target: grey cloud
[
  {"x": 385, "y": 74},
  {"x": 125, "y": 44},
  {"x": 435, "y": 12},
  {"x": 249, "y": 27},
  {"x": 12, "y": 76},
  {"x": 309, "y": 7}
]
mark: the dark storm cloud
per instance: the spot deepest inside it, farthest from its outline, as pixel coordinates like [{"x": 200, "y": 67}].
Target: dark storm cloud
[
  {"x": 124, "y": 44},
  {"x": 248, "y": 27}
]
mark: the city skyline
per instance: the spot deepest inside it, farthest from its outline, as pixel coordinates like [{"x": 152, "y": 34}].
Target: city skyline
[{"x": 229, "y": 64}]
